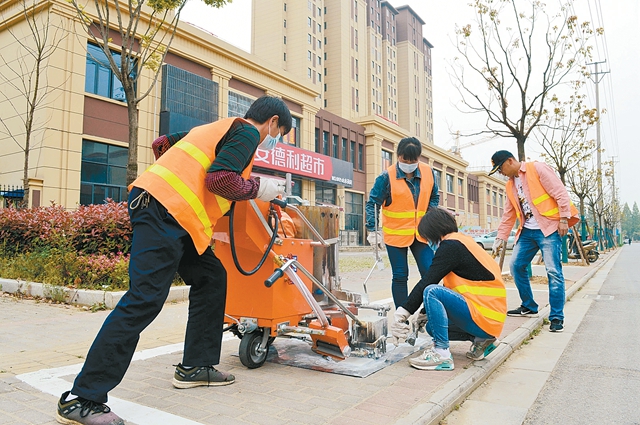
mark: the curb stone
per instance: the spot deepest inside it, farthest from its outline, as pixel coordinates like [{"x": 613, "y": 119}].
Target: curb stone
[
  {"x": 454, "y": 392},
  {"x": 85, "y": 297}
]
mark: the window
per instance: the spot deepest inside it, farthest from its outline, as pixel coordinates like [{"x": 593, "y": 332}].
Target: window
[
  {"x": 309, "y": 55},
  {"x": 325, "y": 193},
  {"x": 238, "y": 104},
  {"x": 354, "y": 217},
  {"x": 501, "y": 199},
  {"x": 293, "y": 137},
  {"x": 438, "y": 177},
  {"x": 285, "y": 56},
  {"x": 309, "y": 22},
  {"x": 352, "y": 154},
  {"x": 344, "y": 149},
  {"x": 460, "y": 186},
  {"x": 285, "y": 39},
  {"x": 360, "y": 154},
  {"x": 334, "y": 147},
  {"x": 285, "y": 7},
  {"x": 319, "y": 28},
  {"x": 285, "y": 23},
  {"x": 387, "y": 159},
  {"x": 99, "y": 78},
  {"x": 494, "y": 198},
  {"x": 309, "y": 38},
  {"x": 319, "y": 77},
  {"x": 325, "y": 142},
  {"x": 103, "y": 173},
  {"x": 449, "y": 183},
  {"x": 309, "y": 72}
]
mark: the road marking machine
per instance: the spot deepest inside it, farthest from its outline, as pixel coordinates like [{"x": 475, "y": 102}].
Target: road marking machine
[{"x": 293, "y": 289}]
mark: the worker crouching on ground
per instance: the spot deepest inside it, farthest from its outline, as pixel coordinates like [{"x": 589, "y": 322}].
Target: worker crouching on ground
[
  {"x": 473, "y": 297},
  {"x": 174, "y": 206}
]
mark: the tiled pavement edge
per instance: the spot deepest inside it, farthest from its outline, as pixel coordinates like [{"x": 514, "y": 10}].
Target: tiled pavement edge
[
  {"x": 441, "y": 403},
  {"x": 272, "y": 394}
]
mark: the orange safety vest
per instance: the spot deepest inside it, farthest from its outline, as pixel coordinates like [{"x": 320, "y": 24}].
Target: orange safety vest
[
  {"x": 544, "y": 203},
  {"x": 487, "y": 299},
  {"x": 401, "y": 217},
  {"x": 177, "y": 181}
]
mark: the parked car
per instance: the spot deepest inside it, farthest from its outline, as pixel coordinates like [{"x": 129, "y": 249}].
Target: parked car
[{"x": 486, "y": 241}]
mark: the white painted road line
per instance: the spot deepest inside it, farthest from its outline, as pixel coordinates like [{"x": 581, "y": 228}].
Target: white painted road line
[{"x": 50, "y": 381}]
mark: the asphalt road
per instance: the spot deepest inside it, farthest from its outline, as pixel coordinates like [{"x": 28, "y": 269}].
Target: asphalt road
[{"x": 597, "y": 379}]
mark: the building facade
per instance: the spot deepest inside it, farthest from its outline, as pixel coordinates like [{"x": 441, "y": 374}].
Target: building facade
[{"x": 356, "y": 76}]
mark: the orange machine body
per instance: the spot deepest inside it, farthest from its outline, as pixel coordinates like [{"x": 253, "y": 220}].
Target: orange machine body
[{"x": 247, "y": 296}]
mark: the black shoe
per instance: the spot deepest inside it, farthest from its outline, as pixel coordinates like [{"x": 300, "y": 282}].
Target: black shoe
[
  {"x": 556, "y": 325},
  {"x": 80, "y": 411},
  {"x": 522, "y": 311},
  {"x": 200, "y": 376}
]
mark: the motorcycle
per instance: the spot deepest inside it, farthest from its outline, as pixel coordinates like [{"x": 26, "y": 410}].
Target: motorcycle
[{"x": 589, "y": 248}]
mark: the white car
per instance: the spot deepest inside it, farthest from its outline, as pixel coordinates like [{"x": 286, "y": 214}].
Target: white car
[{"x": 486, "y": 241}]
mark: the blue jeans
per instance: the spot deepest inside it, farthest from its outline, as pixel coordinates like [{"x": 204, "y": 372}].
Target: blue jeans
[
  {"x": 400, "y": 268},
  {"x": 526, "y": 247},
  {"x": 445, "y": 307}
]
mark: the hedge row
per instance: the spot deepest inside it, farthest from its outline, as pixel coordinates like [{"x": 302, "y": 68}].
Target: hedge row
[{"x": 102, "y": 229}]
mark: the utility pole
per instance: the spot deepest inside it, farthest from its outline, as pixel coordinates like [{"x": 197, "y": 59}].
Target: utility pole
[
  {"x": 596, "y": 79},
  {"x": 614, "y": 200}
]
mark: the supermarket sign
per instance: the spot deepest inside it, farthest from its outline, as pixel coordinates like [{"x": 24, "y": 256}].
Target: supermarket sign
[{"x": 300, "y": 162}]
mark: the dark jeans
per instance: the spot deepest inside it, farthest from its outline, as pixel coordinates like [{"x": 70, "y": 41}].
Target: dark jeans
[
  {"x": 160, "y": 248},
  {"x": 400, "y": 267}
]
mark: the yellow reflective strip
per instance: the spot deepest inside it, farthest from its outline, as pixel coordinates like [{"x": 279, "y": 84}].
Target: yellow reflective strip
[
  {"x": 402, "y": 232},
  {"x": 393, "y": 214},
  {"x": 184, "y": 191},
  {"x": 490, "y": 314},
  {"x": 195, "y": 152},
  {"x": 541, "y": 198},
  {"x": 551, "y": 212},
  {"x": 421, "y": 213},
  {"x": 224, "y": 204},
  {"x": 481, "y": 290}
]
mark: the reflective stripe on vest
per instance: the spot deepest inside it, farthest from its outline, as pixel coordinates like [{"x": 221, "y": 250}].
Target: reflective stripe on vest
[
  {"x": 487, "y": 300},
  {"x": 177, "y": 181},
  {"x": 400, "y": 218}
]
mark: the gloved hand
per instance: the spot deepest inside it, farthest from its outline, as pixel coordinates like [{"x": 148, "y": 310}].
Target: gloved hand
[
  {"x": 420, "y": 319},
  {"x": 400, "y": 327},
  {"x": 498, "y": 245},
  {"x": 270, "y": 189},
  {"x": 373, "y": 235}
]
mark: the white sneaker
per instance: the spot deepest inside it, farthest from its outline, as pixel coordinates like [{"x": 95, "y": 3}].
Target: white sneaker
[{"x": 430, "y": 360}]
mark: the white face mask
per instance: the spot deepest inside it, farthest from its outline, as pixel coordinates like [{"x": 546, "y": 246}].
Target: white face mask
[
  {"x": 408, "y": 168},
  {"x": 269, "y": 141}
]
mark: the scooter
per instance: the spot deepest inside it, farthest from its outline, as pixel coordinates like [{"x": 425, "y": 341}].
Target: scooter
[{"x": 589, "y": 248}]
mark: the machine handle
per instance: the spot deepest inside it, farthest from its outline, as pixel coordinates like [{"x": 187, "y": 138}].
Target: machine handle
[
  {"x": 282, "y": 203},
  {"x": 277, "y": 274}
]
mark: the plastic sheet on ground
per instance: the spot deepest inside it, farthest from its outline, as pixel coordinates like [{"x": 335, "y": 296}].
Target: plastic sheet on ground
[{"x": 298, "y": 353}]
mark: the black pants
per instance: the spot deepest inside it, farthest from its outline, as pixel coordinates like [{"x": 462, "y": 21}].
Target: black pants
[{"x": 160, "y": 248}]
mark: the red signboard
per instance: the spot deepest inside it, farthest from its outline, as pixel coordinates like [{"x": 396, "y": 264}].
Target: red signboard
[{"x": 290, "y": 159}]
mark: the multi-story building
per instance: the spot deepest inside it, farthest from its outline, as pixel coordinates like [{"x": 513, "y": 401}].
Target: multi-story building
[{"x": 356, "y": 76}]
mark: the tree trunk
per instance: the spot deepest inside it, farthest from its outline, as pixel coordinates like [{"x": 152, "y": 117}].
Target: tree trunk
[
  {"x": 132, "y": 164},
  {"x": 520, "y": 139}
]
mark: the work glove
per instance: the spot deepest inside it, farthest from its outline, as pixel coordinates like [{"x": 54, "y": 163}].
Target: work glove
[
  {"x": 420, "y": 319},
  {"x": 497, "y": 247},
  {"x": 270, "y": 189},
  {"x": 400, "y": 327},
  {"x": 375, "y": 237}
]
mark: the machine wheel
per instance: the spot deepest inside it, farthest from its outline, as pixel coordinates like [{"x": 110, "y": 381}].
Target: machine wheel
[
  {"x": 593, "y": 256},
  {"x": 249, "y": 352},
  {"x": 481, "y": 246}
]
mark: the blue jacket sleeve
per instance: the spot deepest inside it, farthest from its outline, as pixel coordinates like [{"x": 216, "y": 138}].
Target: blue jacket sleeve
[
  {"x": 379, "y": 194},
  {"x": 434, "y": 201}
]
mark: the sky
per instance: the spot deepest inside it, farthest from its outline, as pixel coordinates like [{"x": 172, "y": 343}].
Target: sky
[{"x": 619, "y": 89}]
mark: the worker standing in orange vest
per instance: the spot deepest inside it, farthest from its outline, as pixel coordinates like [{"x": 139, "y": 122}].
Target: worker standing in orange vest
[
  {"x": 174, "y": 206},
  {"x": 403, "y": 191},
  {"x": 472, "y": 299},
  {"x": 541, "y": 204}
]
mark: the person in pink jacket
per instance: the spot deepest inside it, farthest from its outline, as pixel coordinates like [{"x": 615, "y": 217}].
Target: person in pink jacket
[{"x": 541, "y": 204}]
